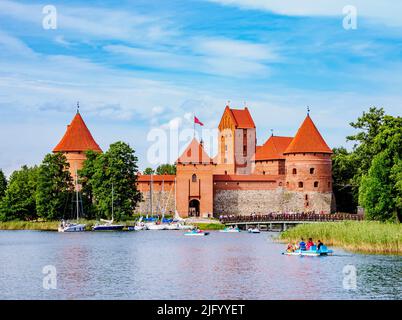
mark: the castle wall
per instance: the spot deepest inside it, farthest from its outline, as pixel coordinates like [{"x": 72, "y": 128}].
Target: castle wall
[
  {"x": 260, "y": 201},
  {"x": 160, "y": 200}
]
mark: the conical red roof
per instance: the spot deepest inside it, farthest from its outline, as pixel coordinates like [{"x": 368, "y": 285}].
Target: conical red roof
[
  {"x": 308, "y": 139},
  {"x": 273, "y": 148},
  {"x": 194, "y": 153},
  {"x": 77, "y": 137}
]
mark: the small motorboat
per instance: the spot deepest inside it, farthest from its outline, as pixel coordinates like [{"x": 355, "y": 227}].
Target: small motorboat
[
  {"x": 196, "y": 233},
  {"x": 312, "y": 252},
  {"x": 253, "y": 230},
  {"x": 66, "y": 226},
  {"x": 155, "y": 226},
  {"x": 230, "y": 229}
]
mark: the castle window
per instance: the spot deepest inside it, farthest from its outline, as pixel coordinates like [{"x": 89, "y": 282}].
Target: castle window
[
  {"x": 329, "y": 184},
  {"x": 300, "y": 184},
  {"x": 194, "y": 178},
  {"x": 294, "y": 171},
  {"x": 244, "y": 150},
  {"x": 306, "y": 197},
  {"x": 226, "y": 147},
  {"x": 226, "y": 172},
  {"x": 307, "y": 204},
  {"x": 263, "y": 172},
  {"x": 311, "y": 170},
  {"x": 315, "y": 184}
]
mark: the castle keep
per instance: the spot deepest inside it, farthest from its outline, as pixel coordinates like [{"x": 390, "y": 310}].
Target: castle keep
[{"x": 285, "y": 174}]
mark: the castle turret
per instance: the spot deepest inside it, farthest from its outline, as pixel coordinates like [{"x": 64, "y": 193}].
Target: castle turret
[
  {"x": 237, "y": 141},
  {"x": 309, "y": 169},
  {"x": 75, "y": 142}
]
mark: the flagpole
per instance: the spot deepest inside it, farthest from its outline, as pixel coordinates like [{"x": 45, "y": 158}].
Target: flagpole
[{"x": 194, "y": 124}]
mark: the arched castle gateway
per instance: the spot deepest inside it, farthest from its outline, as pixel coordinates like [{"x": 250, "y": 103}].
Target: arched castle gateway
[{"x": 285, "y": 174}]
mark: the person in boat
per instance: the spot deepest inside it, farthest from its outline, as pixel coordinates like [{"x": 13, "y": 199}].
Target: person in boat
[
  {"x": 302, "y": 245},
  {"x": 310, "y": 243},
  {"x": 290, "y": 248},
  {"x": 319, "y": 244}
]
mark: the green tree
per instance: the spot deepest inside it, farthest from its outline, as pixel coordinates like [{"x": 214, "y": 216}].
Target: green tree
[
  {"x": 369, "y": 125},
  {"x": 3, "y": 184},
  {"x": 85, "y": 180},
  {"x": 343, "y": 171},
  {"x": 55, "y": 187},
  {"x": 380, "y": 190},
  {"x": 19, "y": 202},
  {"x": 116, "y": 167},
  {"x": 166, "y": 169},
  {"x": 148, "y": 171}
]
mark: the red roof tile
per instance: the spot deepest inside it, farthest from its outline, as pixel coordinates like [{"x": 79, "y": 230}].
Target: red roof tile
[
  {"x": 273, "y": 148},
  {"x": 308, "y": 139},
  {"x": 242, "y": 118},
  {"x": 194, "y": 153},
  {"x": 77, "y": 137}
]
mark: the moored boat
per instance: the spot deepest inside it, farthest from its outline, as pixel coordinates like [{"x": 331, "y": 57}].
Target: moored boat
[
  {"x": 230, "y": 229},
  {"x": 253, "y": 230},
  {"x": 313, "y": 252},
  {"x": 196, "y": 233}
]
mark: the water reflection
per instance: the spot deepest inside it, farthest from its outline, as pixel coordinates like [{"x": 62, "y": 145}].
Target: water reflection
[{"x": 167, "y": 265}]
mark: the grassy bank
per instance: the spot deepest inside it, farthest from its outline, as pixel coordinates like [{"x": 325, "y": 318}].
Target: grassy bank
[
  {"x": 360, "y": 236},
  {"x": 209, "y": 226},
  {"x": 38, "y": 225}
]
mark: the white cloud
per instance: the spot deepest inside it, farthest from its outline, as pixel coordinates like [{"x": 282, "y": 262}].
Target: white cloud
[{"x": 385, "y": 11}]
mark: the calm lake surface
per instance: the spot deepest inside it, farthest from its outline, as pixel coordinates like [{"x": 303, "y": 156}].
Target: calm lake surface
[{"x": 168, "y": 265}]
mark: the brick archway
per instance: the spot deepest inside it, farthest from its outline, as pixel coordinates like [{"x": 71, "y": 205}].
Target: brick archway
[{"x": 194, "y": 208}]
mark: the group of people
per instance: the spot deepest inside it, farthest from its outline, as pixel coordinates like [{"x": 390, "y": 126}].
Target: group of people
[{"x": 303, "y": 245}]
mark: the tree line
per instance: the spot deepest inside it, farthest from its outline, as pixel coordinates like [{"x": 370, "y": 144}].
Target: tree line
[{"x": 46, "y": 191}]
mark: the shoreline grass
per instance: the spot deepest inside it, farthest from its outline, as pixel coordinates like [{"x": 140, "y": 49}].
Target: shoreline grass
[
  {"x": 359, "y": 236},
  {"x": 209, "y": 226}
]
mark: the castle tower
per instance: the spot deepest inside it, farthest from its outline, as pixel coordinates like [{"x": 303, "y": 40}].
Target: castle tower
[
  {"x": 309, "y": 169},
  {"x": 75, "y": 142},
  {"x": 194, "y": 182},
  {"x": 236, "y": 142}
]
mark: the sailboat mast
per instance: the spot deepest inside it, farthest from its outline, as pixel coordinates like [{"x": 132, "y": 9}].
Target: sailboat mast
[
  {"x": 112, "y": 201},
  {"x": 76, "y": 192},
  {"x": 151, "y": 190}
]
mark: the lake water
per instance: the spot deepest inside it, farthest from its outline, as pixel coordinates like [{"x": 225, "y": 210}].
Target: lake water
[{"x": 168, "y": 265}]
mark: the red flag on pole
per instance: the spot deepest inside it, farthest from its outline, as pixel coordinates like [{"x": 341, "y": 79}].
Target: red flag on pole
[{"x": 198, "y": 121}]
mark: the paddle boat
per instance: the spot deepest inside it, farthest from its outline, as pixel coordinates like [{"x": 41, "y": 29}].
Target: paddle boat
[
  {"x": 196, "y": 232},
  {"x": 253, "y": 230},
  {"x": 230, "y": 229},
  {"x": 312, "y": 252}
]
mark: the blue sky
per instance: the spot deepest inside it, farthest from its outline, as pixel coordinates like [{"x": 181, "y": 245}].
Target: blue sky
[{"x": 150, "y": 64}]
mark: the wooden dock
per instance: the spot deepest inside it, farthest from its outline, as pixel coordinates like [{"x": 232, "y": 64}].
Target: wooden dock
[{"x": 282, "y": 222}]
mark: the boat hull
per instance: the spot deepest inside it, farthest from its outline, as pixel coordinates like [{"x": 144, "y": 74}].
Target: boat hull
[
  {"x": 73, "y": 228},
  {"x": 309, "y": 253},
  {"x": 108, "y": 228},
  {"x": 196, "y": 234}
]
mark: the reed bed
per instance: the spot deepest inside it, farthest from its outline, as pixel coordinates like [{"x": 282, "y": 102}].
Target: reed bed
[{"x": 360, "y": 236}]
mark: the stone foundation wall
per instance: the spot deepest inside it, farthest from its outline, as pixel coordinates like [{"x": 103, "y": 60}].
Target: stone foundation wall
[
  {"x": 160, "y": 200},
  {"x": 246, "y": 202}
]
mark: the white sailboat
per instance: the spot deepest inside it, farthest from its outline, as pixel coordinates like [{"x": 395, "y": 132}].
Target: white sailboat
[
  {"x": 66, "y": 226},
  {"x": 108, "y": 224}
]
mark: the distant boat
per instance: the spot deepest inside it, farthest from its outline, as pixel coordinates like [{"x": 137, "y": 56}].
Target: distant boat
[
  {"x": 196, "y": 232},
  {"x": 108, "y": 224},
  {"x": 66, "y": 226},
  {"x": 230, "y": 229},
  {"x": 253, "y": 230}
]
